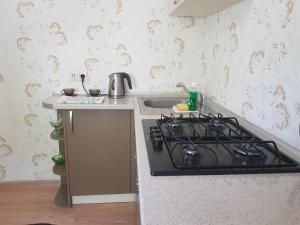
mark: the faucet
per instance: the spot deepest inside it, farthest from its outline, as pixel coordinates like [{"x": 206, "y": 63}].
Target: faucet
[
  {"x": 181, "y": 84},
  {"x": 201, "y": 101}
]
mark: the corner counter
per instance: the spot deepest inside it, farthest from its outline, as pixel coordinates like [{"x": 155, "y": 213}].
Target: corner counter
[
  {"x": 211, "y": 200},
  {"x": 129, "y": 102}
]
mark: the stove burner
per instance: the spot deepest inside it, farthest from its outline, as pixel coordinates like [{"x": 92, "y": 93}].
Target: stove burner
[
  {"x": 216, "y": 125},
  {"x": 191, "y": 156},
  {"x": 174, "y": 124},
  {"x": 190, "y": 152},
  {"x": 247, "y": 151}
]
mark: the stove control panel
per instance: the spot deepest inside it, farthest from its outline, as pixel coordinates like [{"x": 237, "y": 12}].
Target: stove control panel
[{"x": 156, "y": 138}]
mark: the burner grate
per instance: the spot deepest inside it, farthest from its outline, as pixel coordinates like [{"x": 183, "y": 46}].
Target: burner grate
[{"x": 209, "y": 141}]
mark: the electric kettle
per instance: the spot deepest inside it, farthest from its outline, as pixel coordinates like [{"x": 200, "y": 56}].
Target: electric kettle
[{"x": 116, "y": 88}]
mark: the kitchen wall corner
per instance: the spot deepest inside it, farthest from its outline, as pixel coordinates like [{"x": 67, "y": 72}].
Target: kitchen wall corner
[{"x": 251, "y": 64}]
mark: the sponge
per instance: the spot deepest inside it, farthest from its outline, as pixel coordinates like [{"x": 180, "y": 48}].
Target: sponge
[{"x": 182, "y": 107}]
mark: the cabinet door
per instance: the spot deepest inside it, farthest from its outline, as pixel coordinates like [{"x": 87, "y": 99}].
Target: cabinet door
[{"x": 98, "y": 145}]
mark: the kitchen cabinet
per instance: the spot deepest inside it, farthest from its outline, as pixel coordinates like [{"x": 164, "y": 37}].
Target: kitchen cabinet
[
  {"x": 199, "y": 8},
  {"x": 100, "y": 151}
]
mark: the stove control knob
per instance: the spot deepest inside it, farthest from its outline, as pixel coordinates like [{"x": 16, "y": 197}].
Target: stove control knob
[
  {"x": 154, "y": 128},
  {"x": 156, "y": 138},
  {"x": 157, "y": 143}
]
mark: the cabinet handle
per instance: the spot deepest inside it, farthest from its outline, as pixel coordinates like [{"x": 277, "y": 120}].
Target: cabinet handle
[{"x": 71, "y": 121}]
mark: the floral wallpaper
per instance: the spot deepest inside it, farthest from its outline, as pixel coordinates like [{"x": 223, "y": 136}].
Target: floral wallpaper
[
  {"x": 45, "y": 44},
  {"x": 245, "y": 58},
  {"x": 250, "y": 64}
]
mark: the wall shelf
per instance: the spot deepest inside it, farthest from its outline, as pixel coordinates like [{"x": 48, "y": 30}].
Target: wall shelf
[
  {"x": 199, "y": 8},
  {"x": 57, "y": 138},
  {"x": 63, "y": 196},
  {"x": 59, "y": 170}
]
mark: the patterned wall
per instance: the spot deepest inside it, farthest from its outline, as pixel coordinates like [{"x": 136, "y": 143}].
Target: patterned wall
[
  {"x": 44, "y": 42},
  {"x": 245, "y": 58},
  {"x": 251, "y": 64}
]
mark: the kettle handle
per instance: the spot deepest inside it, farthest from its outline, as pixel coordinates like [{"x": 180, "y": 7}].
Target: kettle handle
[
  {"x": 113, "y": 85},
  {"x": 127, "y": 77}
]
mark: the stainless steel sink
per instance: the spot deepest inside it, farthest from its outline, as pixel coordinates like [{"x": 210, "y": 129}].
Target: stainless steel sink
[
  {"x": 162, "y": 103},
  {"x": 156, "y": 105}
]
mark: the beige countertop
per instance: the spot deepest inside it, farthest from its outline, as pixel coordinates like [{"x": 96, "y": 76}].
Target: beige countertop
[
  {"x": 208, "y": 200},
  {"x": 109, "y": 103}
]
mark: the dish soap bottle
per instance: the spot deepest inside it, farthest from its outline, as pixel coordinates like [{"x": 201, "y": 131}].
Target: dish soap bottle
[{"x": 193, "y": 97}]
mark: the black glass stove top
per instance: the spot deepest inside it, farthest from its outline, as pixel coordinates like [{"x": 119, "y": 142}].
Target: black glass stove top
[{"x": 210, "y": 144}]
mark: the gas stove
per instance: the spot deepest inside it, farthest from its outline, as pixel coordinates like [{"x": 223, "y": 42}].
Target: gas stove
[{"x": 210, "y": 144}]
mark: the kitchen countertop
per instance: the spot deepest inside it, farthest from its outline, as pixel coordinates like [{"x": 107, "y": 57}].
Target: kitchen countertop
[
  {"x": 208, "y": 200},
  {"x": 109, "y": 103}
]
